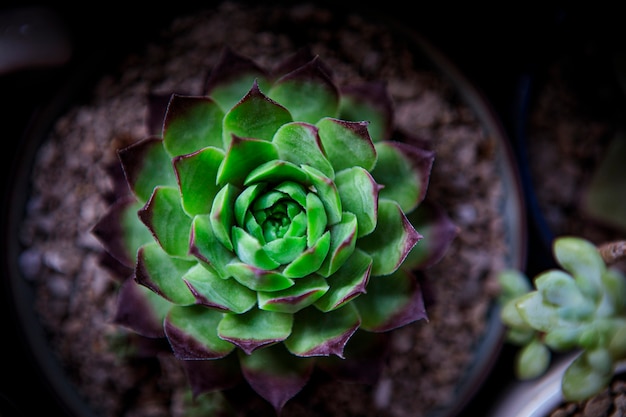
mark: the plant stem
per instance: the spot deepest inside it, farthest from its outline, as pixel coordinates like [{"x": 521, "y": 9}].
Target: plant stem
[{"x": 613, "y": 251}]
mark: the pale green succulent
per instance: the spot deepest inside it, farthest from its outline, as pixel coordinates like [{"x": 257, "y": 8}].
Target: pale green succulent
[
  {"x": 271, "y": 220},
  {"x": 581, "y": 307}
]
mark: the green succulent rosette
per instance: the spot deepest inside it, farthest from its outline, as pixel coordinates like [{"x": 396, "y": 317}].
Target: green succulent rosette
[
  {"x": 580, "y": 306},
  {"x": 269, "y": 221}
]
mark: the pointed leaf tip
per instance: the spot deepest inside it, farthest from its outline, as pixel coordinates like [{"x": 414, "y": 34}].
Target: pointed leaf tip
[{"x": 275, "y": 374}]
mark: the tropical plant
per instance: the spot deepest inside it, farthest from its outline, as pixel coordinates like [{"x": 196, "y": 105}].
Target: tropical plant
[{"x": 273, "y": 221}]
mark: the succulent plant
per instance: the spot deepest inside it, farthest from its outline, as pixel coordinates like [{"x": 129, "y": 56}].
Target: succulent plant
[
  {"x": 579, "y": 307},
  {"x": 272, "y": 221}
]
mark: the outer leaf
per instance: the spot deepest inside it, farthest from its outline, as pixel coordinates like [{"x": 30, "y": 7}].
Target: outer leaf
[
  {"x": 302, "y": 294},
  {"x": 121, "y": 232},
  {"x": 192, "y": 123},
  {"x": 365, "y": 355},
  {"x": 391, "y": 302},
  {"x": 391, "y": 241},
  {"x": 348, "y": 282},
  {"x": 307, "y": 92},
  {"x": 359, "y": 195},
  {"x": 141, "y": 309},
  {"x": 368, "y": 101},
  {"x": 212, "y": 375},
  {"x": 146, "y": 165},
  {"x": 232, "y": 77},
  {"x": 197, "y": 174},
  {"x": 299, "y": 143},
  {"x": 212, "y": 291},
  {"x": 192, "y": 333},
  {"x": 275, "y": 374},
  {"x": 404, "y": 171},
  {"x": 255, "y": 328},
  {"x": 255, "y": 116},
  {"x": 322, "y": 334},
  {"x": 242, "y": 157},
  {"x": 164, "y": 216},
  {"x": 163, "y": 274},
  {"x": 438, "y": 232},
  {"x": 347, "y": 144}
]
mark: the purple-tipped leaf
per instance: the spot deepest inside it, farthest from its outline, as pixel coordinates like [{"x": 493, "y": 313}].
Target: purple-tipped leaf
[
  {"x": 157, "y": 106},
  {"x": 255, "y": 328},
  {"x": 170, "y": 225},
  {"x": 368, "y": 101},
  {"x": 302, "y": 294},
  {"x": 191, "y": 124},
  {"x": 391, "y": 241},
  {"x": 346, "y": 143},
  {"x": 348, "y": 282},
  {"x": 307, "y": 92},
  {"x": 275, "y": 374},
  {"x": 359, "y": 195},
  {"x": 390, "y": 302},
  {"x": 300, "y": 144},
  {"x": 141, "y": 309},
  {"x": 242, "y": 157},
  {"x": 404, "y": 171},
  {"x": 301, "y": 57},
  {"x": 192, "y": 333},
  {"x": 438, "y": 233},
  {"x": 255, "y": 116},
  {"x": 212, "y": 375},
  {"x": 121, "y": 232},
  {"x": 197, "y": 174},
  {"x": 316, "y": 333},
  {"x": 146, "y": 165},
  {"x": 163, "y": 274},
  {"x": 365, "y": 355},
  {"x": 226, "y": 295},
  {"x": 232, "y": 77}
]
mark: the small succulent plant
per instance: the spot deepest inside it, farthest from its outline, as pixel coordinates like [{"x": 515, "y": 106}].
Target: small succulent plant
[
  {"x": 579, "y": 307},
  {"x": 270, "y": 222}
]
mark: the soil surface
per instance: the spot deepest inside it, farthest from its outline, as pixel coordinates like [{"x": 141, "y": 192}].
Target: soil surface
[{"x": 71, "y": 188}]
